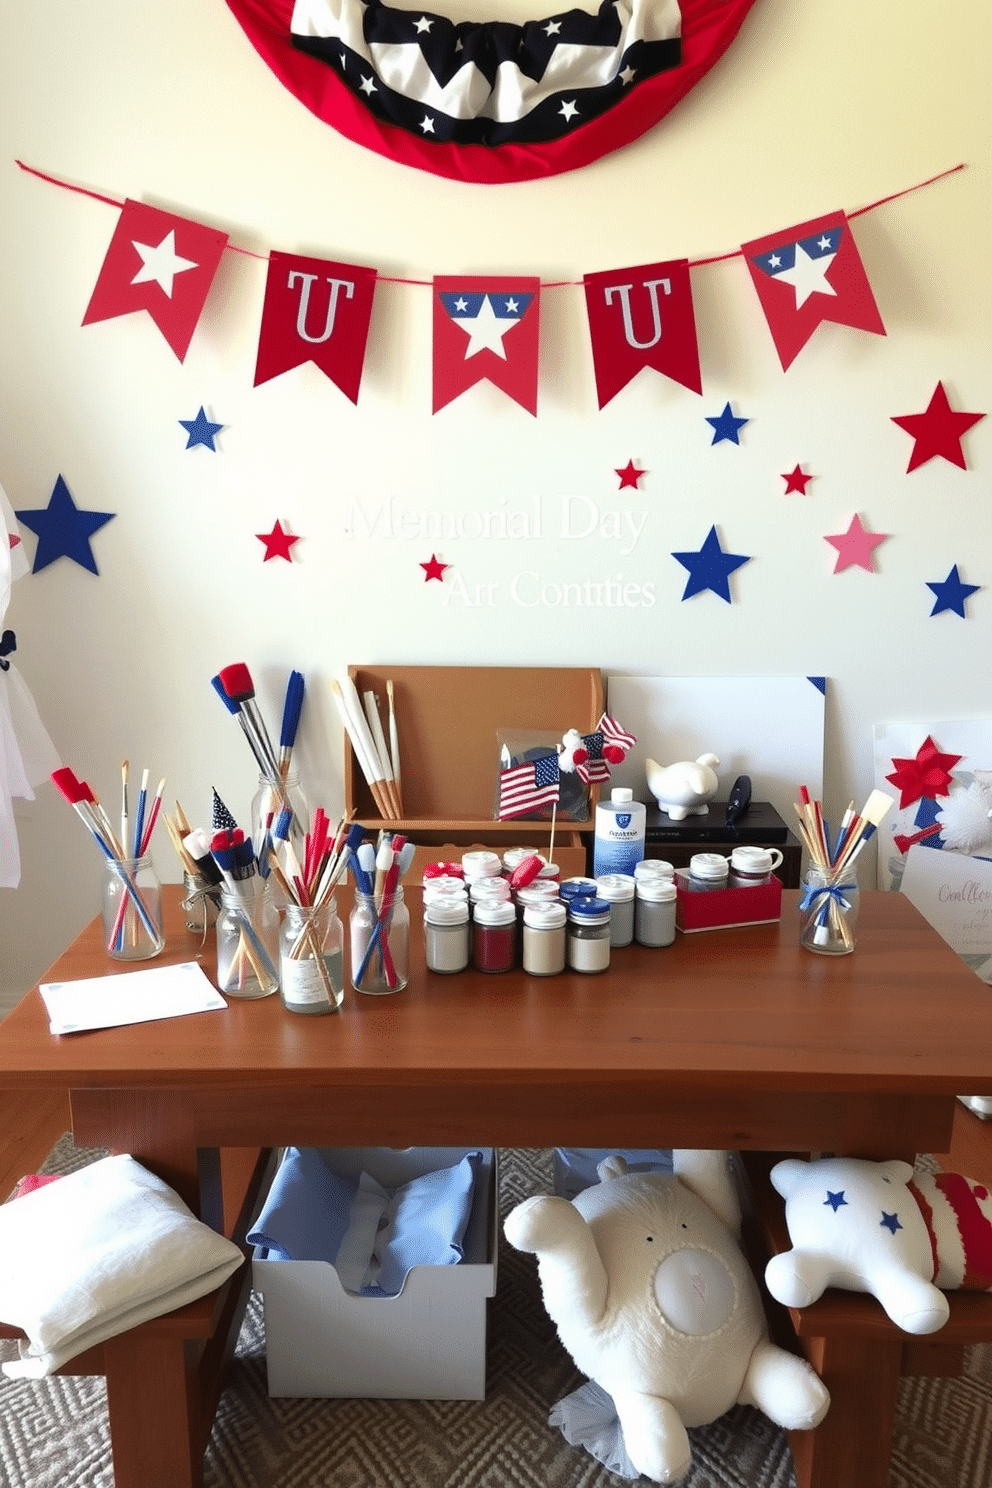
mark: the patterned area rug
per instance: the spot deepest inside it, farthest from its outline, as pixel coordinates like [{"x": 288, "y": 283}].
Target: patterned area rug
[{"x": 53, "y": 1433}]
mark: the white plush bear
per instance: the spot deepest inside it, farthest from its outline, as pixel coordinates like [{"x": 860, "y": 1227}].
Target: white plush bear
[
  {"x": 654, "y": 1300},
  {"x": 877, "y": 1227},
  {"x": 683, "y": 789}
]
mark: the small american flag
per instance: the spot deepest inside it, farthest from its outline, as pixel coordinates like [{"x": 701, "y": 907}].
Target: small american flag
[
  {"x": 594, "y": 769},
  {"x": 615, "y": 733},
  {"x": 527, "y": 787}
]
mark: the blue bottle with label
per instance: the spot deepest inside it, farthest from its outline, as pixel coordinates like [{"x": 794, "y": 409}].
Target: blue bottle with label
[{"x": 618, "y": 844}]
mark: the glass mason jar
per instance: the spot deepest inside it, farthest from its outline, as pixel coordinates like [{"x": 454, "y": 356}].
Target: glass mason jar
[
  {"x": 494, "y": 936},
  {"x": 270, "y": 798},
  {"x": 200, "y": 902},
  {"x": 311, "y": 959},
  {"x": 588, "y": 943},
  {"x": 247, "y": 940},
  {"x": 654, "y": 911},
  {"x": 544, "y": 938},
  {"x": 447, "y": 937},
  {"x": 132, "y": 909},
  {"x": 828, "y": 911},
  {"x": 380, "y": 944}
]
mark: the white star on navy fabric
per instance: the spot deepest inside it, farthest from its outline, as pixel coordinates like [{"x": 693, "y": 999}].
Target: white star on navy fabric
[
  {"x": 367, "y": 85},
  {"x": 492, "y": 83},
  {"x": 427, "y": 125},
  {"x": 803, "y": 265},
  {"x": 161, "y": 263},
  {"x": 485, "y": 330}
]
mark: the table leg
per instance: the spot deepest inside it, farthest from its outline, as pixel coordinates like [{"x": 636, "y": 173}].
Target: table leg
[
  {"x": 152, "y": 1393},
  {"x": 853, "y": 1443}
]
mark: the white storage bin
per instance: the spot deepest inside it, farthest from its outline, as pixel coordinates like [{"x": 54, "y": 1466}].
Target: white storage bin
[{"x": 426, "y": 1343}]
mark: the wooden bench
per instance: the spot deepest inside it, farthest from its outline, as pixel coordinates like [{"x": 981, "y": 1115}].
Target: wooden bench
[
  {"x": 172, "y": 1367},
  {"x": 855, "y": 1349}
]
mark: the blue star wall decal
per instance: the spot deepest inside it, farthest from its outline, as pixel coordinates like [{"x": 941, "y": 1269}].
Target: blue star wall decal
[
  {"x": 63, "y": 530},
  {"x": 201, "y": 430},
  {"x": 835, "y": 1199},
  {"x": 710, "y": 568},
  {"x": 726, "y": 426},
  {"x": 952, "y": 593},
  {"x": 890, "y": 1222}
]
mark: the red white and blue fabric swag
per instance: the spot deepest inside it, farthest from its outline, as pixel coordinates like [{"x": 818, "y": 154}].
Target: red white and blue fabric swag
[
  {"x": 491, "y": 83},
  {"x": 490, "y": 102}
]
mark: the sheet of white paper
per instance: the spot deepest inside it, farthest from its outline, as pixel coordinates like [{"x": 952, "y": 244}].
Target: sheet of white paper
[
  {"x": 130, "y": 997},
  {"x": 954, "y": 893},
  {"x": 770, "y": 728}
]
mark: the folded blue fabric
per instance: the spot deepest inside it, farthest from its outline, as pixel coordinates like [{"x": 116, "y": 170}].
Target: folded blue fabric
[
  {"x": 425, "y": 1224},
  {"x": 306, "y": 1213},
  {"x": 370, "y": 1234}
]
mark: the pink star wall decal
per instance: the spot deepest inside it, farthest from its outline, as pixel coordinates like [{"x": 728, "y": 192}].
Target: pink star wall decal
[{"x": 855, "y": 546}]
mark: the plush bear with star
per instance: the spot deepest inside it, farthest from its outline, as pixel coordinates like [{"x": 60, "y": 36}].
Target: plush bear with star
[
  {"x": 905, "y": 1237},
  {"x": 645, "y": 1280}
]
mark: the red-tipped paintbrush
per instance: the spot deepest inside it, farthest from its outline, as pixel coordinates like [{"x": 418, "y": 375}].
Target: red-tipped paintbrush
[{"x": 239, "y": 689}]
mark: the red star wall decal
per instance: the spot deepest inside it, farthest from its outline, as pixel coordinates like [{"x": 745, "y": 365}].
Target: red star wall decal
[
  {"x": 928, "y": 774},
  {"x": 630, "y": 475},
  {"x": 796, "y": 480},
  {"x": 937, "y": 431},
  {"x": 277, "y": 543},
  {"x": 434, "y": 569}
]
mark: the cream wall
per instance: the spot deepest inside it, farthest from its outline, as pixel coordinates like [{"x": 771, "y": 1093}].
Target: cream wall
[{"x": 818, "y": 105}]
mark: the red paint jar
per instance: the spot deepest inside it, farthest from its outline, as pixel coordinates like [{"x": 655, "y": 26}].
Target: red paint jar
[{"x": 494, "y": 936}]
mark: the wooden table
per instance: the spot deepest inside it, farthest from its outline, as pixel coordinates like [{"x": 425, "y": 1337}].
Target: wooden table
[{"x": 735, "y": 1038}]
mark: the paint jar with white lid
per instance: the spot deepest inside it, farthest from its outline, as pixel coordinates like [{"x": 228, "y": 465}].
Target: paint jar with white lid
[
  {"x": 708, "y": 871},
  {"x": 447, "y": 936},
  {"x": 588, "y": 944},
  {"x": 618, "y": 891},
  {"x": 544, "y": 938},
  {"x": 494, "y": 936},
  {"x": 752, "y": 865},
  {"x": 654, "y": 911},
  {"x": 481, "y": 864}
]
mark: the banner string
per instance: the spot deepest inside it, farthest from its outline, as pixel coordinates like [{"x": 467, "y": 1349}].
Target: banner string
[{"x": 694, "y": 263}]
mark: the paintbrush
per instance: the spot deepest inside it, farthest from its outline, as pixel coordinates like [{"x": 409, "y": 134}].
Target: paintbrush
[
  {"x": 292, "y": 708},
  {"x": 379, "y": 739},
  {"x": 85, "y": 804},
  {"x": 349, "y": 710},
  {"x": 394, "y": 744},
  {"x": 125, "y": 771},
  {"x": 139, "y": 816},
  {"x": 233, "y": 684}
]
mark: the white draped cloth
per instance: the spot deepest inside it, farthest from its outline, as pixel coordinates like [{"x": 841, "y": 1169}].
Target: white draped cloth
[{"x": 27, "y": 754}]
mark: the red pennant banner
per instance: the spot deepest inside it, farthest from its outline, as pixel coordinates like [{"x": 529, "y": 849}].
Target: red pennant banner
[
  {"x": 486, "y": 329},
  {"x": 315, "y": 311},
  {"x": 807, "y": 274},
  {"x": 642, "y": 318},
  {"x": 160, "y": 263}
]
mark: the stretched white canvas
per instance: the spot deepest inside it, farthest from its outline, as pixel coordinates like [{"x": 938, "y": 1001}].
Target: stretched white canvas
[
  {"x": 770, "y": 728},
  {"x": 954, "y": 818}
]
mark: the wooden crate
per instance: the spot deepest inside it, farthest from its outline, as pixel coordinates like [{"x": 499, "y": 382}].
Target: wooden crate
[{"x": 449, "y": 720}]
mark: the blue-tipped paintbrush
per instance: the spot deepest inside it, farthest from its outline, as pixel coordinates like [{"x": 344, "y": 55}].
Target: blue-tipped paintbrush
[{"x": 292, "y": 707}]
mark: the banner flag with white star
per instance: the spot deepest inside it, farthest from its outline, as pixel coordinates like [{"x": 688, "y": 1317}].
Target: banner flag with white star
[
  {"x": 315, "y": 311},
  {"x": 486, "y": 329},
  {"x": 642, "y": 318},
  {"x": 807, "y": 274},
  {"x": 160, "y": 263}
]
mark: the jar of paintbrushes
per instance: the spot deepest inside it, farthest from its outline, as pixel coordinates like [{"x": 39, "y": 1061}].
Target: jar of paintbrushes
[
  {"x": 132, "y": 909},
  {"x": 311, "y": 966},
  {"x": 828, "y": 906},
  {"x": 828, "y": 911},
  {"x": 247, "y": 936}
]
